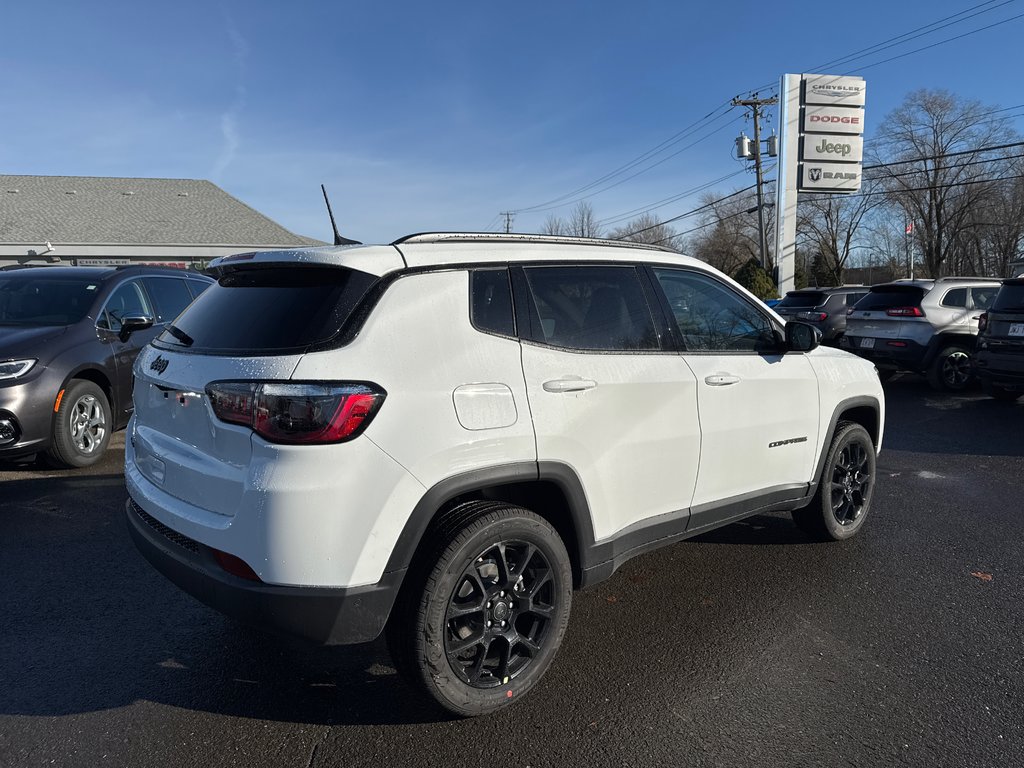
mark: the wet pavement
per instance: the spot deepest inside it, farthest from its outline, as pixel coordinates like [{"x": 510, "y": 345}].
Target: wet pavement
[{"x": 746, "y": 646}]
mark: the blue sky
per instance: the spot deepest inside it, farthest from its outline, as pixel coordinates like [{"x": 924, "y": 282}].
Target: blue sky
[{"x": 425, "y": 116}]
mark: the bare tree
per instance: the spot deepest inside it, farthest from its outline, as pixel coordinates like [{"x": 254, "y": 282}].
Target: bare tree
[
  {"x": 828, "y": 225},
  {"x": 728, "y": 236},
  {"x": 935, "y": 189},
  {"x": 648, "y": 228},
  {"x": 582, "y": 222},
  {"x": 554, "y": 225}
]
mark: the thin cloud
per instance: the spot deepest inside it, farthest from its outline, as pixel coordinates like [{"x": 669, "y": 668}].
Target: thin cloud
[{"x": 229, "y": 118}]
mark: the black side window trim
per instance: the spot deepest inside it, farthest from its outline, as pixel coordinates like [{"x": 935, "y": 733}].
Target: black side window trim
[{"x": 677, "y": 341}]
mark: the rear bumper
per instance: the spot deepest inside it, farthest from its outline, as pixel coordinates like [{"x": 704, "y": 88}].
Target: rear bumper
[
  {"x": 904, "y": 354},
  {"x": 327, "y": 616},
  {"x": 1004, "y": 369}
]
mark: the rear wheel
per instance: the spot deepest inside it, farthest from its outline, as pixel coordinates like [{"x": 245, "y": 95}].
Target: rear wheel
[
  {"x": 1000, "y": 393},
  {"x": 81, "y": 430},
  {"x": 845, "y": 487},
  {"x": 482, "y": 621},
  {"x": 952, "y": 370}
]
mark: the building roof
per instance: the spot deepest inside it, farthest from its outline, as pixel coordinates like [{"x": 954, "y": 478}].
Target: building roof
[{"x": 108, "y": 210}]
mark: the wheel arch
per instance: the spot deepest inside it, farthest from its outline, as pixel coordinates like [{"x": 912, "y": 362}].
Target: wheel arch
[
  {"x": 549, "y": 489},
  {"x": 945, "y": 339},
  {"x": 863, "y": 410}
]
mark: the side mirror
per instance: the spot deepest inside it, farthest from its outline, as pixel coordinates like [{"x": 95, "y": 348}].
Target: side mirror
[
  {"x": 134, "y": 323},
  {"x": 801, "y": 337}
]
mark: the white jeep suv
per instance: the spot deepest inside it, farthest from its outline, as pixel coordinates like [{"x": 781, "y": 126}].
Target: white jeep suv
[{"x": 444, "y": 436}]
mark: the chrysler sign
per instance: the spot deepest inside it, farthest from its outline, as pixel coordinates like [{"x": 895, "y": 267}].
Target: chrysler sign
[{"x": 834, "y": 90}]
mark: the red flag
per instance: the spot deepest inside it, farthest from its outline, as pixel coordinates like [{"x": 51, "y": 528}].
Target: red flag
[{"x": 910, "y": 228}]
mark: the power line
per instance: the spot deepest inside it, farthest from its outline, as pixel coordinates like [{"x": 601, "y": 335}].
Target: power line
[
  {"x": 675, "y": 138},
  {"x": 705, "y": 137},
  {"x": 668, "y": 200},
  {"x": 958, "y": 153},
  {"x": 940, "y": 42}
]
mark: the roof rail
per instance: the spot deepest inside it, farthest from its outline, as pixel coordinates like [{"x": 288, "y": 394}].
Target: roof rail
[
  {"x": 951, "y": 278},
  {"x": 500, "y": 237}
]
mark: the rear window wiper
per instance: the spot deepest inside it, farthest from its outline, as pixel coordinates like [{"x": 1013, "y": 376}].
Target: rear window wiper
[{"x": 180, "y": 335}]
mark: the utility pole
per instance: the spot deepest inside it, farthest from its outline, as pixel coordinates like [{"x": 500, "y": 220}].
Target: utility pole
[
  {"x": 755, "y": 105},
  {"x": 508, "y": 220}
]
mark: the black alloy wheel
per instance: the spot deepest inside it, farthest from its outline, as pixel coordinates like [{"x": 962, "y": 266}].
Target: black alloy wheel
[
  {"x": 845, "y": 487},
  {"x": 499, "y": 615},
  {"x": 483, "y": 608},
  {"x": 851, "y": 483},
  {"x": 952, "y": 370}
]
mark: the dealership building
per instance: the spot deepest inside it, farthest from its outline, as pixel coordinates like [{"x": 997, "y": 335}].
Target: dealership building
[{"x": 100, "y": 221}]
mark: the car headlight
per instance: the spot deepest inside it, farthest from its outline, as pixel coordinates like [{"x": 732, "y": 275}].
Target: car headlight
[{"x": 12, "y": 369}]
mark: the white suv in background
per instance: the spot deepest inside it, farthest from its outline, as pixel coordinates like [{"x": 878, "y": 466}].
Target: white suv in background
[
  {"x": 445, "y": 436},
  {"x": 925, "y": 326}
]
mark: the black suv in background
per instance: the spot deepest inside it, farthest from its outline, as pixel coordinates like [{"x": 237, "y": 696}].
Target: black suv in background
[
  {"x": 999, "y": 358},
  {"x": 824, "y": 308},
  {"x": 68, "y": 339}
]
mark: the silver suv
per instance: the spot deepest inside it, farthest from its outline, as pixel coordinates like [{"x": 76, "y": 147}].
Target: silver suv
[{"x": 925, "y": 326}]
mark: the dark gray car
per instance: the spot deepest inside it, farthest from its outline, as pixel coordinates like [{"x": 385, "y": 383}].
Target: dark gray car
[
  {"x": 68, "y": 339},
  {"x": 824, "y": 308}
]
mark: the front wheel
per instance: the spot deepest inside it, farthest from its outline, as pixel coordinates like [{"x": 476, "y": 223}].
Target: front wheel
[
  {"x": 483, "y": 626},
  {"x": 952, "y": 370},
  {"x": 845, "y": 488},
  {"x": 82, "y": 427}
]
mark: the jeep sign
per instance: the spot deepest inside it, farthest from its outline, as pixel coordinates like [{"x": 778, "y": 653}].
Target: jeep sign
[
  {"x": 820, "y": 147},
  {"x": 833, "y": 120}
]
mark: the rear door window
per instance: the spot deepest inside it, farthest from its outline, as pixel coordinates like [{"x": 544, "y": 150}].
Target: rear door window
[
  {"x": 169, "y": 294},
  {"x": 270, "y": 309},
  {"x": 983, "y": 296},
  {"x": 591, "y": 308}
]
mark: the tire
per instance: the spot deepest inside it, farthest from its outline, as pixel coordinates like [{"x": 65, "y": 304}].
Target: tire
[
  {"x": 482, "y": 614},
  {"x": 1000, "y": 393},
  {"x": 952, "y": 370},
  {"x": 81, "y": 430},
  {"x": 845, "y": 488}
]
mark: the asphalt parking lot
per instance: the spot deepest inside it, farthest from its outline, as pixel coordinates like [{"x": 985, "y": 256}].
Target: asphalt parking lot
[{"x": 747, "y": 646}]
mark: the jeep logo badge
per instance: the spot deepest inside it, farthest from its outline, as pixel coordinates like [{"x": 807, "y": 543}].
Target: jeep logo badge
[{"x": 159, "y": 365}]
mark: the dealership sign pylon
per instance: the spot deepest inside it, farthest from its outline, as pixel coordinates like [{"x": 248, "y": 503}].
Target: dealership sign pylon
[{"x": 821, "y": 125}]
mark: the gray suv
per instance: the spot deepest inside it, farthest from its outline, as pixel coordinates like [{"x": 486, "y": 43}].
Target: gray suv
[
  {"x": 824, "y": 308},
  {"x": 924, "y": 326},
  {"x": 68, "y": 339}
]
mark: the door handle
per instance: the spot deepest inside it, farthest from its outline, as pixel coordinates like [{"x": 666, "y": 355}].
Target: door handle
[
  {"x": 721, "y": 380},
  {"x": 568, "y": 385}
]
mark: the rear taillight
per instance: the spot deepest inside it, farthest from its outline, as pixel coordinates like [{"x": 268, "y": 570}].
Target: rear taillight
[
  {"x": 296, "y": 413},
  {"x": 982, "y": 321},
  {"x": 815, "y": 317},
  {"x": 904, "y": 312}
]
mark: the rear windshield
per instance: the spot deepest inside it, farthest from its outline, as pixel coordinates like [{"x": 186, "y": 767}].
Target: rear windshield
[
  {"x": 277, "y": 309},
  {"x": 803, "y": 299},
  {"x": 1010, "y": 298},
  {"x": 33, "y": 300},
  {"x": 889, "y": 296}
]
